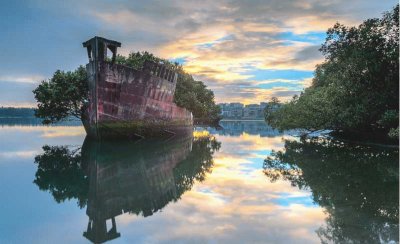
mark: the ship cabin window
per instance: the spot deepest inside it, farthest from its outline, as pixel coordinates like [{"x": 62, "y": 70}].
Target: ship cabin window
[
  {"x": 90, "y": 52},
  {"x": 111, "y": 52}
]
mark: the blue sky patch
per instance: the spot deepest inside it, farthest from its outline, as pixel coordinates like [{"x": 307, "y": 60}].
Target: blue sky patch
[
  {"x": 311, "y": 37},
  {"x": 181, "y": 60},
  {"x": 269, "y": 74},
  {"x": 286, "y": 200}
]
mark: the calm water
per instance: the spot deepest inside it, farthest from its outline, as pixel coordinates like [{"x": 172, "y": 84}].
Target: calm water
[{"x": 245, "y": 183}]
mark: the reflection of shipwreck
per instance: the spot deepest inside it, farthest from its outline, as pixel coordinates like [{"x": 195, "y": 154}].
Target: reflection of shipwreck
[
  {"x": 115, "y": 177},
  {"x": 131, "y": 178},
  {"x": 125, "y": 102}
]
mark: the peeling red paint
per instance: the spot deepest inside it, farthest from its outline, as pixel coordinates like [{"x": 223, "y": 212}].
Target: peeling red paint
[{"x": 122, "y": 95}]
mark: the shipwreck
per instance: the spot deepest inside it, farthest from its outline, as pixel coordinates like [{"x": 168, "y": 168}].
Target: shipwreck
[{"x": 130, "y": 103}]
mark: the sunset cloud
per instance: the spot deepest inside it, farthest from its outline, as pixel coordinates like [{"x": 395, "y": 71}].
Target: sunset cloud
[
  {"x": 226, "y": 42},
  {"x": 221, "y": 42},
  {"x": 24, "y": 79},
  {"x": 236, "y": 203}
]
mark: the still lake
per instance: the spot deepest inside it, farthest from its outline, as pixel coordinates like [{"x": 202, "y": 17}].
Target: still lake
[{"x": 242, "y": 183}]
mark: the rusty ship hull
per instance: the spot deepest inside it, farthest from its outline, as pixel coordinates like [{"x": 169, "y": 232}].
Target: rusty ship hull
[{"x": 129, "y": 103}]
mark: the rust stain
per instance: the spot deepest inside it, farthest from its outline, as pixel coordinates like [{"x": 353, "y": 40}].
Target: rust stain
[{"x": 125, "y": 102}]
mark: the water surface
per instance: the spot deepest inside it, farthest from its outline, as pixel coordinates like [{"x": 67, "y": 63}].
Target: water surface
[{"x": 244, "y": 183}]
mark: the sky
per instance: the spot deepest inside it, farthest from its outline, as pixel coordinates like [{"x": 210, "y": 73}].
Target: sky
[{"x": 244, "y": 50}]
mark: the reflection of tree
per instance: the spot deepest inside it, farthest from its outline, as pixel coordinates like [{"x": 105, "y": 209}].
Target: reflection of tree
[
  {"x": 62, "y": 172},
  {"x": 112, "y": 177},
  {"x": 198, "y": 163},
  {"x": 357, "y": 185}
]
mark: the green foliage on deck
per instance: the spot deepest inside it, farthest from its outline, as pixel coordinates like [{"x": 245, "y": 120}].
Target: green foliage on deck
[
  {"x": 65, "y": 94},
  {"x": 190, "y": 93},
  {"x": 62, "y": 96}
]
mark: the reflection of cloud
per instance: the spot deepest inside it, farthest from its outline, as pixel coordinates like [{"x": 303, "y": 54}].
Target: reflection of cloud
[
  {"x": 251, "y": 143},
  {"x": 24, "y": 142},
  {"x": 235, "y": 204},
  {"x": 200, "y": 134},
  {"x": 48, "y": 131},
  {"x": 65, "y": 131}
]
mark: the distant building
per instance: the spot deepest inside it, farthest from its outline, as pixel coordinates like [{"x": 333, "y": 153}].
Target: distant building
[
  {"x": 231, "y": 110},
  {"x": 252, "y": 111},
  {"x": 240, "y": 111}
]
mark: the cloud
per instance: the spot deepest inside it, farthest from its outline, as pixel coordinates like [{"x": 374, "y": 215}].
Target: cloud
[
  {"x": 236, "y": 203},
  {"x": 309, "y": 53},
  {"x": 252, "y": 25},
  {"x": 221, "y": 41},
  {"x": 252, "y": 91},
  {"x": 18, "y": 154},
  {"x": 24, "y": 79},
  {"x": 17, "y": 94}
]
